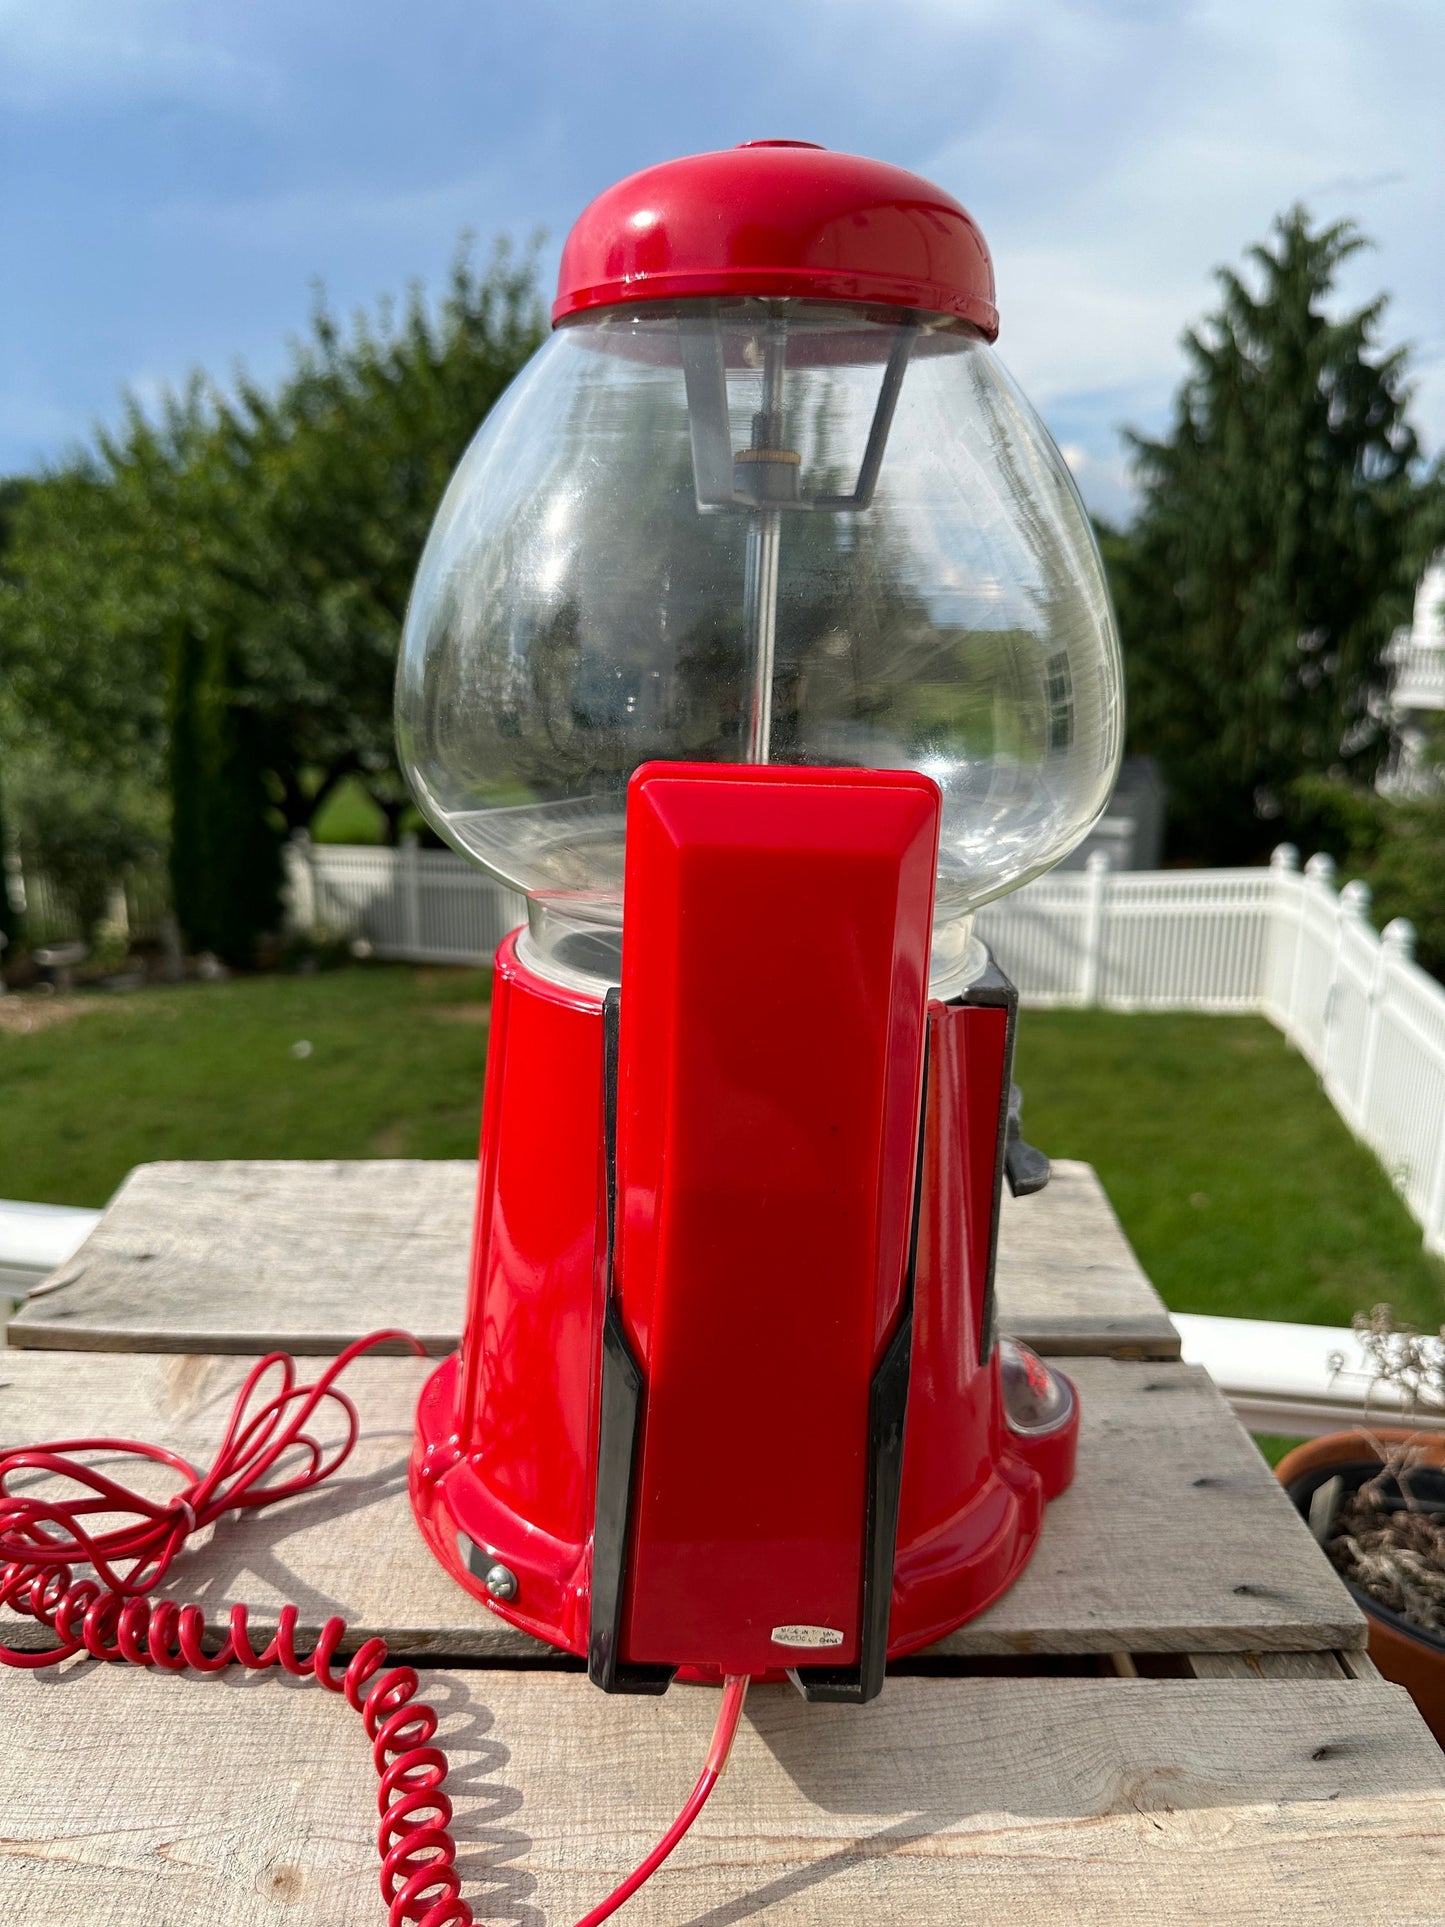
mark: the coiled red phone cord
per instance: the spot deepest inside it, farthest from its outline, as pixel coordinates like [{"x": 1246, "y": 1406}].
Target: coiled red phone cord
[{"x": 43, "y": 1540}]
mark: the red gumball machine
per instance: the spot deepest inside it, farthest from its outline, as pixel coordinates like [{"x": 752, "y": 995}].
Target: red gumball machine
[{"x": 760, "y": 639}]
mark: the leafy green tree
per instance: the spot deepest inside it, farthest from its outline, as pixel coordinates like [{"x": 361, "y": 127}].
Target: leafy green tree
[
  {"x": 82, "y": 835},
  {"x": 344, "y": 469},
  {"x": 1395, "y": 844},
  {"x": 1282, "y": 525},
  {"x": 208, "y": 605}
]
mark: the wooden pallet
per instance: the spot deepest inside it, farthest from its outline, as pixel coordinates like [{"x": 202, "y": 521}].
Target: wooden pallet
[{"x": 1170, "y": 1716}]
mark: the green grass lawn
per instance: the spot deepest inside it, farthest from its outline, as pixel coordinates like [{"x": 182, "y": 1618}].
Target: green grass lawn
[
  {"x": 208, "y": 1071},
  {"x": 1239, "y": 1187},
  {"x": 1242, "y": 1191}
]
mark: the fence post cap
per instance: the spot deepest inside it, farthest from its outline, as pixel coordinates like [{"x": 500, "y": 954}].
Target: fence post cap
[
  {"x": 301, "y": 836},
  {"x": 1284, "y": 856},
  {"x": 1398, "y": 935},
  {"x": 410, "y": 840},
  {"x": 1321, "y": 867},
  {"x": 1356, "y": 898},
  {"x": 1098, "y": 861}
]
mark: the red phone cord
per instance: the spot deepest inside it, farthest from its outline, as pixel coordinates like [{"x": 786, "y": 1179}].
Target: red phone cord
[{"x": 43, "y": 1540}]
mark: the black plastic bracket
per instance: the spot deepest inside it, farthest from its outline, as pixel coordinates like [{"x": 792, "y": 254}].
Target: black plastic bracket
[
  {"x": 1026, "y": 1169},
  {"x": 994, "y": 990},
  {"x": 887, "y": 1416},
  {"x": 623, "y": 1397}
]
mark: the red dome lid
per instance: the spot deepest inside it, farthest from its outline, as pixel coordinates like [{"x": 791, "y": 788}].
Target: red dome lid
[{"x": 778, "y": 218}]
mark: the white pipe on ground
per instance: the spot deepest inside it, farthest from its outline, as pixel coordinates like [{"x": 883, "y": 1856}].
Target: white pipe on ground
[
  {"x": 35, "y": 1239},
  {"x": 1284, "y": 1378}
]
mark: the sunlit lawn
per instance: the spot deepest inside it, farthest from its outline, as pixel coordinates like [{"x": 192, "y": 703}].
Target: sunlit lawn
[
  {"x": 394, "y": 1069},
  {"x": 1240, "y": 1188}
]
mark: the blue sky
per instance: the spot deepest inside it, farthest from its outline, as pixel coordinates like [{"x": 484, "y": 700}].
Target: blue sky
[{"x": 175, "y": 174}]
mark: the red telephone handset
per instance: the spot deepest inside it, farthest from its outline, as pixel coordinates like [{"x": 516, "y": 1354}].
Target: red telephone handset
[{"x": 769, "y": 1079}]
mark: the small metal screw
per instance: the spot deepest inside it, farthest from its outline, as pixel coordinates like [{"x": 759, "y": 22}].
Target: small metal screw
[{"x": 501, "y": 1581}]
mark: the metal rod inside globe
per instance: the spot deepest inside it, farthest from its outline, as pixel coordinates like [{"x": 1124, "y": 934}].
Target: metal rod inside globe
[{"x": 760, "y": 577}]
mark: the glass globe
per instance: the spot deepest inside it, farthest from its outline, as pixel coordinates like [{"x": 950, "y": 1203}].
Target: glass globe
[{"x": 757, "y": 531}]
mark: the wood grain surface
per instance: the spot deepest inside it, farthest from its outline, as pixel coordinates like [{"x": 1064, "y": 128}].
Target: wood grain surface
[
  {"x": 247, "y": 1256},
  {"x": 1175, "y": 1537},
  {"x": 244, "y": 1256},
  {"x": 1267, "y": 1666},
  {"x": 143, "y": 1800}
]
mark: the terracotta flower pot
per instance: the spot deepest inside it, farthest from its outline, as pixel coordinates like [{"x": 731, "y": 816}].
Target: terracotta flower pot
[{"x": 1404, "y": 1653}]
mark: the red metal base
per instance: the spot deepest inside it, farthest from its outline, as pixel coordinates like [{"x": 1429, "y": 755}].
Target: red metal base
[{"x": 502, "y": 1470}]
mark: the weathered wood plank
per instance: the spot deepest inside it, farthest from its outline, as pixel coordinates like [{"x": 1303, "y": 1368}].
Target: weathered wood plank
[
  {"x": 351, "y": 1546},
  {"x": 1359, "y": 1665},
  {"x": 154, "y": 1801},
  {"x": 249, "y": 1256},
  {"x": 1068, "y": 1281},
  {"x": 1173, "y": 1522},
  {"x": 1175, "y": 1537},
  {"x": 245, "y": 1256},
  {"x": 1269, "y": 1666}
]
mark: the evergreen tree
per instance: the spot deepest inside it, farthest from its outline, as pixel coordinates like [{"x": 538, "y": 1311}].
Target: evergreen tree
[
  {"x": 10, "y": 918},
  {"x": 225, "y": 843},
  {"x": 1276, "y": 547}
]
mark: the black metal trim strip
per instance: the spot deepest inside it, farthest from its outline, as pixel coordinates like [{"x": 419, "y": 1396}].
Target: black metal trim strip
[
  {"x": 887, "y": 1417},
  {"x": 619, "y": 1431}
]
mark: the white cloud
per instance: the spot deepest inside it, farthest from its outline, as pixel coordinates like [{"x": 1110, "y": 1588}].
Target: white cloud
[
  {"x": 1146, "y": 159},
  {"x": 74, "y": 51}
]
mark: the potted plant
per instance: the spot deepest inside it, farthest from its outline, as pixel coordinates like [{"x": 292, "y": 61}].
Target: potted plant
[{"x": 1375, "y": 1500}]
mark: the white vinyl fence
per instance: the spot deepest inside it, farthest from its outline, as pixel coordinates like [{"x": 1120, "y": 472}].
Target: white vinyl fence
[
  {"x": 422, "y": 906},
  {"x": 1279, "y": 941},
  {"x": 138, "y": 902},
  {"x": 1139, "y": 940}
]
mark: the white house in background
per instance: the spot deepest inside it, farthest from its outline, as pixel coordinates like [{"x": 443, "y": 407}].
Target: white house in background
[{"x": 1415, "y": 695}]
